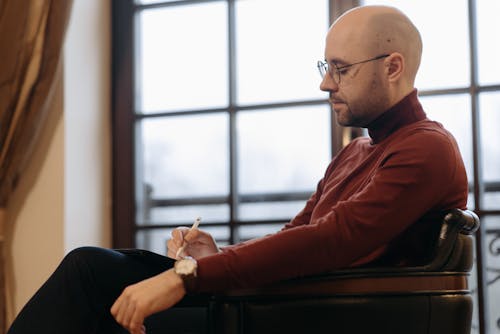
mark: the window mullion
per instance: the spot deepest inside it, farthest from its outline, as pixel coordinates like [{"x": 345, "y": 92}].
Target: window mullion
[
  {"x": 123, "y": 205},
  {"x": 478, "y": 182},
  {"x": 233, "y": 163}
]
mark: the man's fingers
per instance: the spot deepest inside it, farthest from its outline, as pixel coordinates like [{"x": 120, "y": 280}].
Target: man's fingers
[
  {"x": 127, "y": 313},
  {"x": 179, "y": 232},
  {"x": 179, "y": 235},
  {"x": 171, "y": 250},
  {"x": 171, "y": 253},
  {"x": 116, "y": 309},
  {"x": 176, "y": 242},
  {"x": 141, "y": 330},
  {"x": 136, "y": 321}
]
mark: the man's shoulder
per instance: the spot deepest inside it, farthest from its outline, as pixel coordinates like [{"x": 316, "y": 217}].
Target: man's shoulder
[
  {"x": 426, "y": 131},
  {"x": 425, "y": 141}
]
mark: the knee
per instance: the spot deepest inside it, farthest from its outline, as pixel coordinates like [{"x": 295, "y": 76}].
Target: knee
[
  {"x": 82, "y": 253},
  {"x": 82, "y": 256}
]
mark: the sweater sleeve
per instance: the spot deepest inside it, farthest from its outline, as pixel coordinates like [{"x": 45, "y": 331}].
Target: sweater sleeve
[
  {"x": 414, "y": 176},
  {"x": 304, "y": 216}
]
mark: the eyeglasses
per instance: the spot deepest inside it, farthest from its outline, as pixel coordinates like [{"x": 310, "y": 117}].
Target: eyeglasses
[{"x": 336, "y": 72}]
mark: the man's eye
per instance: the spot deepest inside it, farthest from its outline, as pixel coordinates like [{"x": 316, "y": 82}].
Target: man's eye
[{"x": 343, "y": 71}]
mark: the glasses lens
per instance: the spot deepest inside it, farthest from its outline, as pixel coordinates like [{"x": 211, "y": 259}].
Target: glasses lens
[
  {"x": 322, "y": 67},
  {"x": 323, "y": 70}
]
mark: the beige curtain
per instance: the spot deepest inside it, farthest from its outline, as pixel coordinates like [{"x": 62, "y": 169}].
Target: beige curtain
[{"x": 31, "y": 40}]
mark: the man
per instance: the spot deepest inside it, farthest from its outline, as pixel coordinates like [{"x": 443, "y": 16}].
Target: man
[{"x": 374, "y": 205}]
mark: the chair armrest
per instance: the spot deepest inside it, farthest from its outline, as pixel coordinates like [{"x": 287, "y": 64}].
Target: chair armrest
[
  {"x": 453, "y": 245},
  {"x": 467, "y": 220},
  {"x": 359, "y": 284}
]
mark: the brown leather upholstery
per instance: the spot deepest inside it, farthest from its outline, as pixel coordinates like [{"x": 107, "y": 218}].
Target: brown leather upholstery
[{"x": 433, "y": 298}]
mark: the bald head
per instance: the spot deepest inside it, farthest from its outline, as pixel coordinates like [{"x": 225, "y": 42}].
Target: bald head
[{"x": 375, "y": 30}]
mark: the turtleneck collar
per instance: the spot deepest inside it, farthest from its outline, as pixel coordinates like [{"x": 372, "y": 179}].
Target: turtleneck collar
[{"x": 405, "y": 112}]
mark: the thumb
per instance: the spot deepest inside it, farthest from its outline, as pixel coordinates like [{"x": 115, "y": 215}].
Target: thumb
[{"x": 191, "y": 235}]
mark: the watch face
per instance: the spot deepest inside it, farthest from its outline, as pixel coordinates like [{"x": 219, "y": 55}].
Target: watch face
[{"x": 185, "y": 266}]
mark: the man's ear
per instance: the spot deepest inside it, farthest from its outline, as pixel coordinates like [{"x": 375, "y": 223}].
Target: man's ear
[{"x": 395, "y": 65}]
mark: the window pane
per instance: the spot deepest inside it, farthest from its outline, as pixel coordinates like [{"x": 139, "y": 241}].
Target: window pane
[
  {"x": 185, "y": 156},
  {"x": 453, "y": 111},
  {"x": 283, "y": 149},
  {"x": 445, "y": 60},
  {"x": 256, "y": 231},
  {"x": 491, "y": 199},
  {"x": 471, "y": 204},
  {"x": 146, "y": 2},
  {"x": 156, "y": 240},
  {"x": 472, "y": 282},
  {"x": 185, "y": 215},
  {"x": 278, "y": 45},
  {"x": 182, "y": 58},
  {"x": 488, "y": 30},
  {"x": 153, "y": 240},
  {"x": 489, "y": 104},
  {"x": 270, "y": 210},
  {"x": 492, "y": 255}
]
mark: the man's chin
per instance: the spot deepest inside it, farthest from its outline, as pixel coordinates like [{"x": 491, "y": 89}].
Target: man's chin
[
  {"x": 343, "y": 116},
  {"x": 343, "y": 122}
]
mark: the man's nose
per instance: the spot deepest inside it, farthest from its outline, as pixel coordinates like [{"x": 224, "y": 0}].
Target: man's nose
[{"x": 328, "y": 84}]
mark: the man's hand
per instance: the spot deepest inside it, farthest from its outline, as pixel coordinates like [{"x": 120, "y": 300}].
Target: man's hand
[
  {"x": 198, "y": 243},
  {"x": 142, "y": 299}
]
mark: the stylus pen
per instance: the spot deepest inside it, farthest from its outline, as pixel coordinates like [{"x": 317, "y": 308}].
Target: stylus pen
[{"x": 195, "y": 225}]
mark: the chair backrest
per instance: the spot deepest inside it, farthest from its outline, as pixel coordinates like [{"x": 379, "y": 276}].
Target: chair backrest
[{"x": 452, "y": 251}]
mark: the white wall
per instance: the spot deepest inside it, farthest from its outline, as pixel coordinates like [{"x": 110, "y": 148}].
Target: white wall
[
  {"x": 65, "y": 199},
  {"x": 87, "y": 73}
]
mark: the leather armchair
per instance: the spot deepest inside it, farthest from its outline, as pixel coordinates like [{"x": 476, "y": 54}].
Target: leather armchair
[{"x": 433, "y": 298}]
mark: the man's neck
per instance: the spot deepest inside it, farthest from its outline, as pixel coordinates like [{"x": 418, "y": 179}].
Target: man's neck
[{"x": 406, "y": 111}]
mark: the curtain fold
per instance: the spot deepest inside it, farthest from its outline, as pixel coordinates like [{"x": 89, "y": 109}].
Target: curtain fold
[{"x": 31, "y": 40}]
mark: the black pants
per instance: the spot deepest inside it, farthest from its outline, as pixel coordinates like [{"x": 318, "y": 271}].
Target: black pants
[{"x": 78, "y": 296}]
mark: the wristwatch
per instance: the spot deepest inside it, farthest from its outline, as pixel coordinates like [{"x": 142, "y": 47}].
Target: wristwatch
[{"x": 186, "y": 269}]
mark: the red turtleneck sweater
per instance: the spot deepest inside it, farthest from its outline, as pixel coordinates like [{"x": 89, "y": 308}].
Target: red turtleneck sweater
[{"x": 368, "y": 207}]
